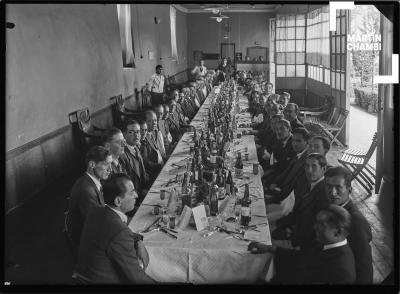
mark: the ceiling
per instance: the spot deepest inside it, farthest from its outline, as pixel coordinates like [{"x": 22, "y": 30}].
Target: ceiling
[{"x": 206, "y": 8}]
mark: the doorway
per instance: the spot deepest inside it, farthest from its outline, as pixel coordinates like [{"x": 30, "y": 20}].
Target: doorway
[
  {"x": 228, "y": 51},
  {"x": 363, "y": 94}
]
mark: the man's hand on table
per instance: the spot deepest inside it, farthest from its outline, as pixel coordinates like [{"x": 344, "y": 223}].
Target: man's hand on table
[
  {"x": 142, "y": 254},
  {"x": 258, "y": 248}
]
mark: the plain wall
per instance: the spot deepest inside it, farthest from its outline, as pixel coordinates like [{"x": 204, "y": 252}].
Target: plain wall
[
  {"x": 206, "y": 34},
  {"x": 59, "y": 58},
  {"x": 63, "y": 57}
]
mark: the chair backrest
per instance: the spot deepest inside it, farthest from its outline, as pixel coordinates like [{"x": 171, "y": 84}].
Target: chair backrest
[
  {"x": 119, "y": 102},
  {"x": 343, "y": 113},
  {"x": 372, "y": 147},
  {"x": 84, "y": 121},
  {"x": 334, "y": 114}
]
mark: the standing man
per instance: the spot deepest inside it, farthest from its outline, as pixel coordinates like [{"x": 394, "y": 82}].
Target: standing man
[
  {"x": 87, "y": 192},
  {"x": 157, "y": 86},
  {"x": 199, "y": 70},
  {"x": 338, "y": 189},
  {"x": 110, "y": 253}
]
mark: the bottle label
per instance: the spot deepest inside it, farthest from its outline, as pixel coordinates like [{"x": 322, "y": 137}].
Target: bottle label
[
  {"x": 245, "y": 211},
  {"x": 228, "y": 188},
  {"x": 196, "y": 175}
]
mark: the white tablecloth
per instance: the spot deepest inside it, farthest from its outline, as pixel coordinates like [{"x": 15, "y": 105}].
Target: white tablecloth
[{"x": 192, "y": 258}]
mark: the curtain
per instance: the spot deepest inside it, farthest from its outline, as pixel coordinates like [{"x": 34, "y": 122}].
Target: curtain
[
  {"x": 174, "y": 50},
  {"x": 125, "y": 30}
]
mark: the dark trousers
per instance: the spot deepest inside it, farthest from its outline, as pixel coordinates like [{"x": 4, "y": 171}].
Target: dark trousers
[{"x": 156, "y": 98}]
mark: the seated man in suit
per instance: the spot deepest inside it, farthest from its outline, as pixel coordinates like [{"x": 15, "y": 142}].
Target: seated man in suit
[
  {"x": 321, "y": 145},
  {"x": 332, "y": 262},
  {"x": 338, "y": 185},
  {"x": 280, "y": 187},
  {"x": 163, "y": 128},
  {"x": 87, "y": 192},
  {"x": 309, "y": 199},
  {"x": 267, "y": 139},
  {"x": 114, "y": 141},
  {"x": 284, "y": 99},
  {"x": 176, "y": 123},
  {"x": 110, "y": 253},
  {"x": 282, "y": 151},
  {"x": 138, "y": 173},
  {"x": 152, "y": 158},
  {"x": 291, "y": 111},
  {"x": 152, "y": 130}
]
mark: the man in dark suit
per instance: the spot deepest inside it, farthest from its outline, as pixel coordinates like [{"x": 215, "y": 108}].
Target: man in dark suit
[
  {"x": 114, "y": 141},
  {"x": 152, "y": 158},
  {"x": 176, "y": 121},
  {"x": 331, "y": 262},
  {"x": 138, "y": 173},
  {"x": 163, "y": 128},
  {"x": 109, "y": 252},
  {"x": 283, "y": 150},
  {"x": 87, "y": 192},
  {"x": 338, "y": 185},
  {"x": 284, "y": 183},
  {"x": 291, "y": 111},
  {"x": 310, "y": 198}
]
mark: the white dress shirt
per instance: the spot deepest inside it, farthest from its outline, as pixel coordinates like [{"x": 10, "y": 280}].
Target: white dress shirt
[
  {"x": 156, "y": 84},
  {"x": 199, "y": 71},
  {"x": 334, "y": 245}
]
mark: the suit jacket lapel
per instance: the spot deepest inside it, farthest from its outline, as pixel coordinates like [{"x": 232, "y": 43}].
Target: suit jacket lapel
[
  {"x": 99, "y": 193},
  {"x": 151, "y": 142}
]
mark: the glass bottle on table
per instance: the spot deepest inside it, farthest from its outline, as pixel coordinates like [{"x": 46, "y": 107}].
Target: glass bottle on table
[
  {"x": 193, "y": 170},
  {"x": 228, "y": 183},
  {"x": 245, "y": 216},
  {"x": 214, "y": 201}
]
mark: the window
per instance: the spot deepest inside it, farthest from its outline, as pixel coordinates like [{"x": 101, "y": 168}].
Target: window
[
  {"x": 290, "y": 45},
  {"x": 318, "y": 43},
  {"x": 174, "y": 49},
  {"x": 338, "y": 52},
  {"x": 125, "y": 31}
]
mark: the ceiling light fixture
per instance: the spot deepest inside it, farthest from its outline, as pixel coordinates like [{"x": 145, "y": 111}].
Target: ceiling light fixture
[{"x": 219, "y": 17}]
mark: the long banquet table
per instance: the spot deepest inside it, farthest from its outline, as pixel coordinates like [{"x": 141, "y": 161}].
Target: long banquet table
[{"x": 194, "y": 257}]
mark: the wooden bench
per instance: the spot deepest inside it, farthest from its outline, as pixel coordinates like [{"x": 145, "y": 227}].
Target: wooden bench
[
  {"x": 331, "y": 127},
  {"x": 357, "y": 162}
]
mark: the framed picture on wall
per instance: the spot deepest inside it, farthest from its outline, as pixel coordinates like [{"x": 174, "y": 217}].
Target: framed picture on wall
[{"x": 210, "y": 56}]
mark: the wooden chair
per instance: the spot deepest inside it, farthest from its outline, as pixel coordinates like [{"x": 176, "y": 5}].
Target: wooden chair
[
  {"x": 332, "y": 127},
  {"x": 86, "y": 133},
  {"x": 146, "y": 96},
  {"x": 357, "y": 162},
  {"x": 121, "y": 113}
]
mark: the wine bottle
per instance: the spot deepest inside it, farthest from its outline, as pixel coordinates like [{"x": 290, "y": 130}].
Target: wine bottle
[
  {"x": 245, "y": 210},
  {"x": 239, "y": 163},
  {"x": 214, "y": 201},
  {"x": 228, "y": 184},
  {"x": 193, "y": 170}
]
